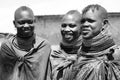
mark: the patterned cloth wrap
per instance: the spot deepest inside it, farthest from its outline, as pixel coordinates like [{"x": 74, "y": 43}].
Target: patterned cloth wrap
[
  {"x": 18, "y": 64},
  {"x": 100, "y": 61},
  {"x": 62, "y": 58}
]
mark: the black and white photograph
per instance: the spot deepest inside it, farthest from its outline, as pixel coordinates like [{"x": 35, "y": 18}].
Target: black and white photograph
[{"x": 60, "y": 40}]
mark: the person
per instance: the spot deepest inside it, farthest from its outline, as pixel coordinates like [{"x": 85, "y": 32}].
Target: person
[
  {"x": 99, "y": 56},
  {"x": 64, "y": 54},
  {"x": 25, "y": 56}
]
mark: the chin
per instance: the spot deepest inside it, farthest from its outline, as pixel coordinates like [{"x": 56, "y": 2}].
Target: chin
[
  {"x": 67, "y": 41},
  {"x": 26, "y": 36},
  {"x": 86, "y": 37}
]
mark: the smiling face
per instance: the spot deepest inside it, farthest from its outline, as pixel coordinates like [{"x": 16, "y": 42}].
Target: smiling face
[
  {"x": 70, "y": 28},
  {"x": 92, "y": 24},
  {"x": 24, "y": 22}
]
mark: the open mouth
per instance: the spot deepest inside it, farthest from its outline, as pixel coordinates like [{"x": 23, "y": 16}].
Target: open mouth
[
  {"x": 85, "y": 32},
  {"x": 68, "y": 35},
  {"x": 26, "y": 31}
]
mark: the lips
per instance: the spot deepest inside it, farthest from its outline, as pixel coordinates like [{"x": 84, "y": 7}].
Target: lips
[
  {"x": 85, "y": 31},
  {"x": 27, "y": 31},
  {"x": 68, "y": 35}
]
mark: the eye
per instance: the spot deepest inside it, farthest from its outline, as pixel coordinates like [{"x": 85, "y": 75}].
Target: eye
[
  {"x": 29, "y": 21},
  {"x": 20, "y": 22},
  {"x": 25, "y": 21},
  {"x": 90, "y": 20},
  {"x": 83, "y": 21},
  {"x": 63, "y": 25},
  {"x": 72, "y": 25}
]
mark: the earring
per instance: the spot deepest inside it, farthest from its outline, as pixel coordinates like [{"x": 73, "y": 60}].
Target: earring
[{"x": 103, "y": 29}]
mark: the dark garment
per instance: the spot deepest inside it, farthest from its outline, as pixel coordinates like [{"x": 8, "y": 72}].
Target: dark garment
[
  {"x": 18, "y": 64},
  {"x": 62, "y": 59},
  {"x": 99, "y": 60}
]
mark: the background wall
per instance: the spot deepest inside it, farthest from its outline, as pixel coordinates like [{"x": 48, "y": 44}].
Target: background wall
[
  {"x": 114, "y": 28},
  {"x": 48, "y": 27}
]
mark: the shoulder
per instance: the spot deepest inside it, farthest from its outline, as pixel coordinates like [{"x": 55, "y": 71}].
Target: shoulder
[
  {"x": 42, "y": 46},
  {"x": 116, "y": 52},
  {"x": 7, "y": 40},
  {"x": 1, "y": 41},
  {"x": 55, "y": 47},
  {"x": 6, "y": 43},
  {"x": 41, "y": 41}
]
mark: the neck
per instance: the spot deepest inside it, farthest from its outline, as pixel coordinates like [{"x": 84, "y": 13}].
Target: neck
[
  {"x": 24, "y": 37},
  {"x": 71, "y": 48},
  {"x": 98, "y": 43},
  {"x": 25, "y": 43}
]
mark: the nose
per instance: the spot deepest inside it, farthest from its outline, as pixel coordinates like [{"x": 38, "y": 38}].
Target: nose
[
  {"x": 86, "y": 23},
  {"x": 26, "y": 25},
  {"x": 67, "y": 28}
]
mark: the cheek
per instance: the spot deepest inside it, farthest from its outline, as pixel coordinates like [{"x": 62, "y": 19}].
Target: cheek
[
  {"x": 96, "y": 26},
  {"x": 62, "y": 32},
  {"x": 62, "y": 29},
  {"x": 16, "y": 25},
  {"x": 32, "y": 24},
  {"x": 75, "y": 29}
]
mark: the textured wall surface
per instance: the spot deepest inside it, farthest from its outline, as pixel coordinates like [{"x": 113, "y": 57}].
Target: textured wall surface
[
  {"x": 48, "y": 27},
  {"x": 114, "y": 28}
]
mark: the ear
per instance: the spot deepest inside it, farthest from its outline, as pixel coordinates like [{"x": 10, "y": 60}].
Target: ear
[
  {"x": 14, "y": 22},
  {"x": 105, "y": 21},
  {"x": 105, "y": 24}
]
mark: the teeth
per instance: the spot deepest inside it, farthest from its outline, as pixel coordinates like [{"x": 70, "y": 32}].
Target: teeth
[
  {"x": 85, "y": 32},
  {"x": 67, "y": 36},
  {"x": 68, "y": 33}
]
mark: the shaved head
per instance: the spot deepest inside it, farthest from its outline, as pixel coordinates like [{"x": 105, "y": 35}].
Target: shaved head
[
  {"x": 71, "y": 26},
  {"x": 23, "y": 10},
  {"x": 24, "y": 22},
  {"x": 73, "y": 15},
  {"x": 96, "y": 9},
  {"x": 94, "y": 21}
]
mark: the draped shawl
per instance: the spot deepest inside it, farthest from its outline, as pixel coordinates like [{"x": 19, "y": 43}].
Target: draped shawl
[
  {"x": 34, "y": 65},
  {"x": 62, "y": 58},
  {"x": 98, "y": 59}
]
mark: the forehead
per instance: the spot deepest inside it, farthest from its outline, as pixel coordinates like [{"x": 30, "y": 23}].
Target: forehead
[
  {"x": 24, "y": 15},
  {"x": 70, "y": 19},
  {"x": 92, "y": 14}
]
